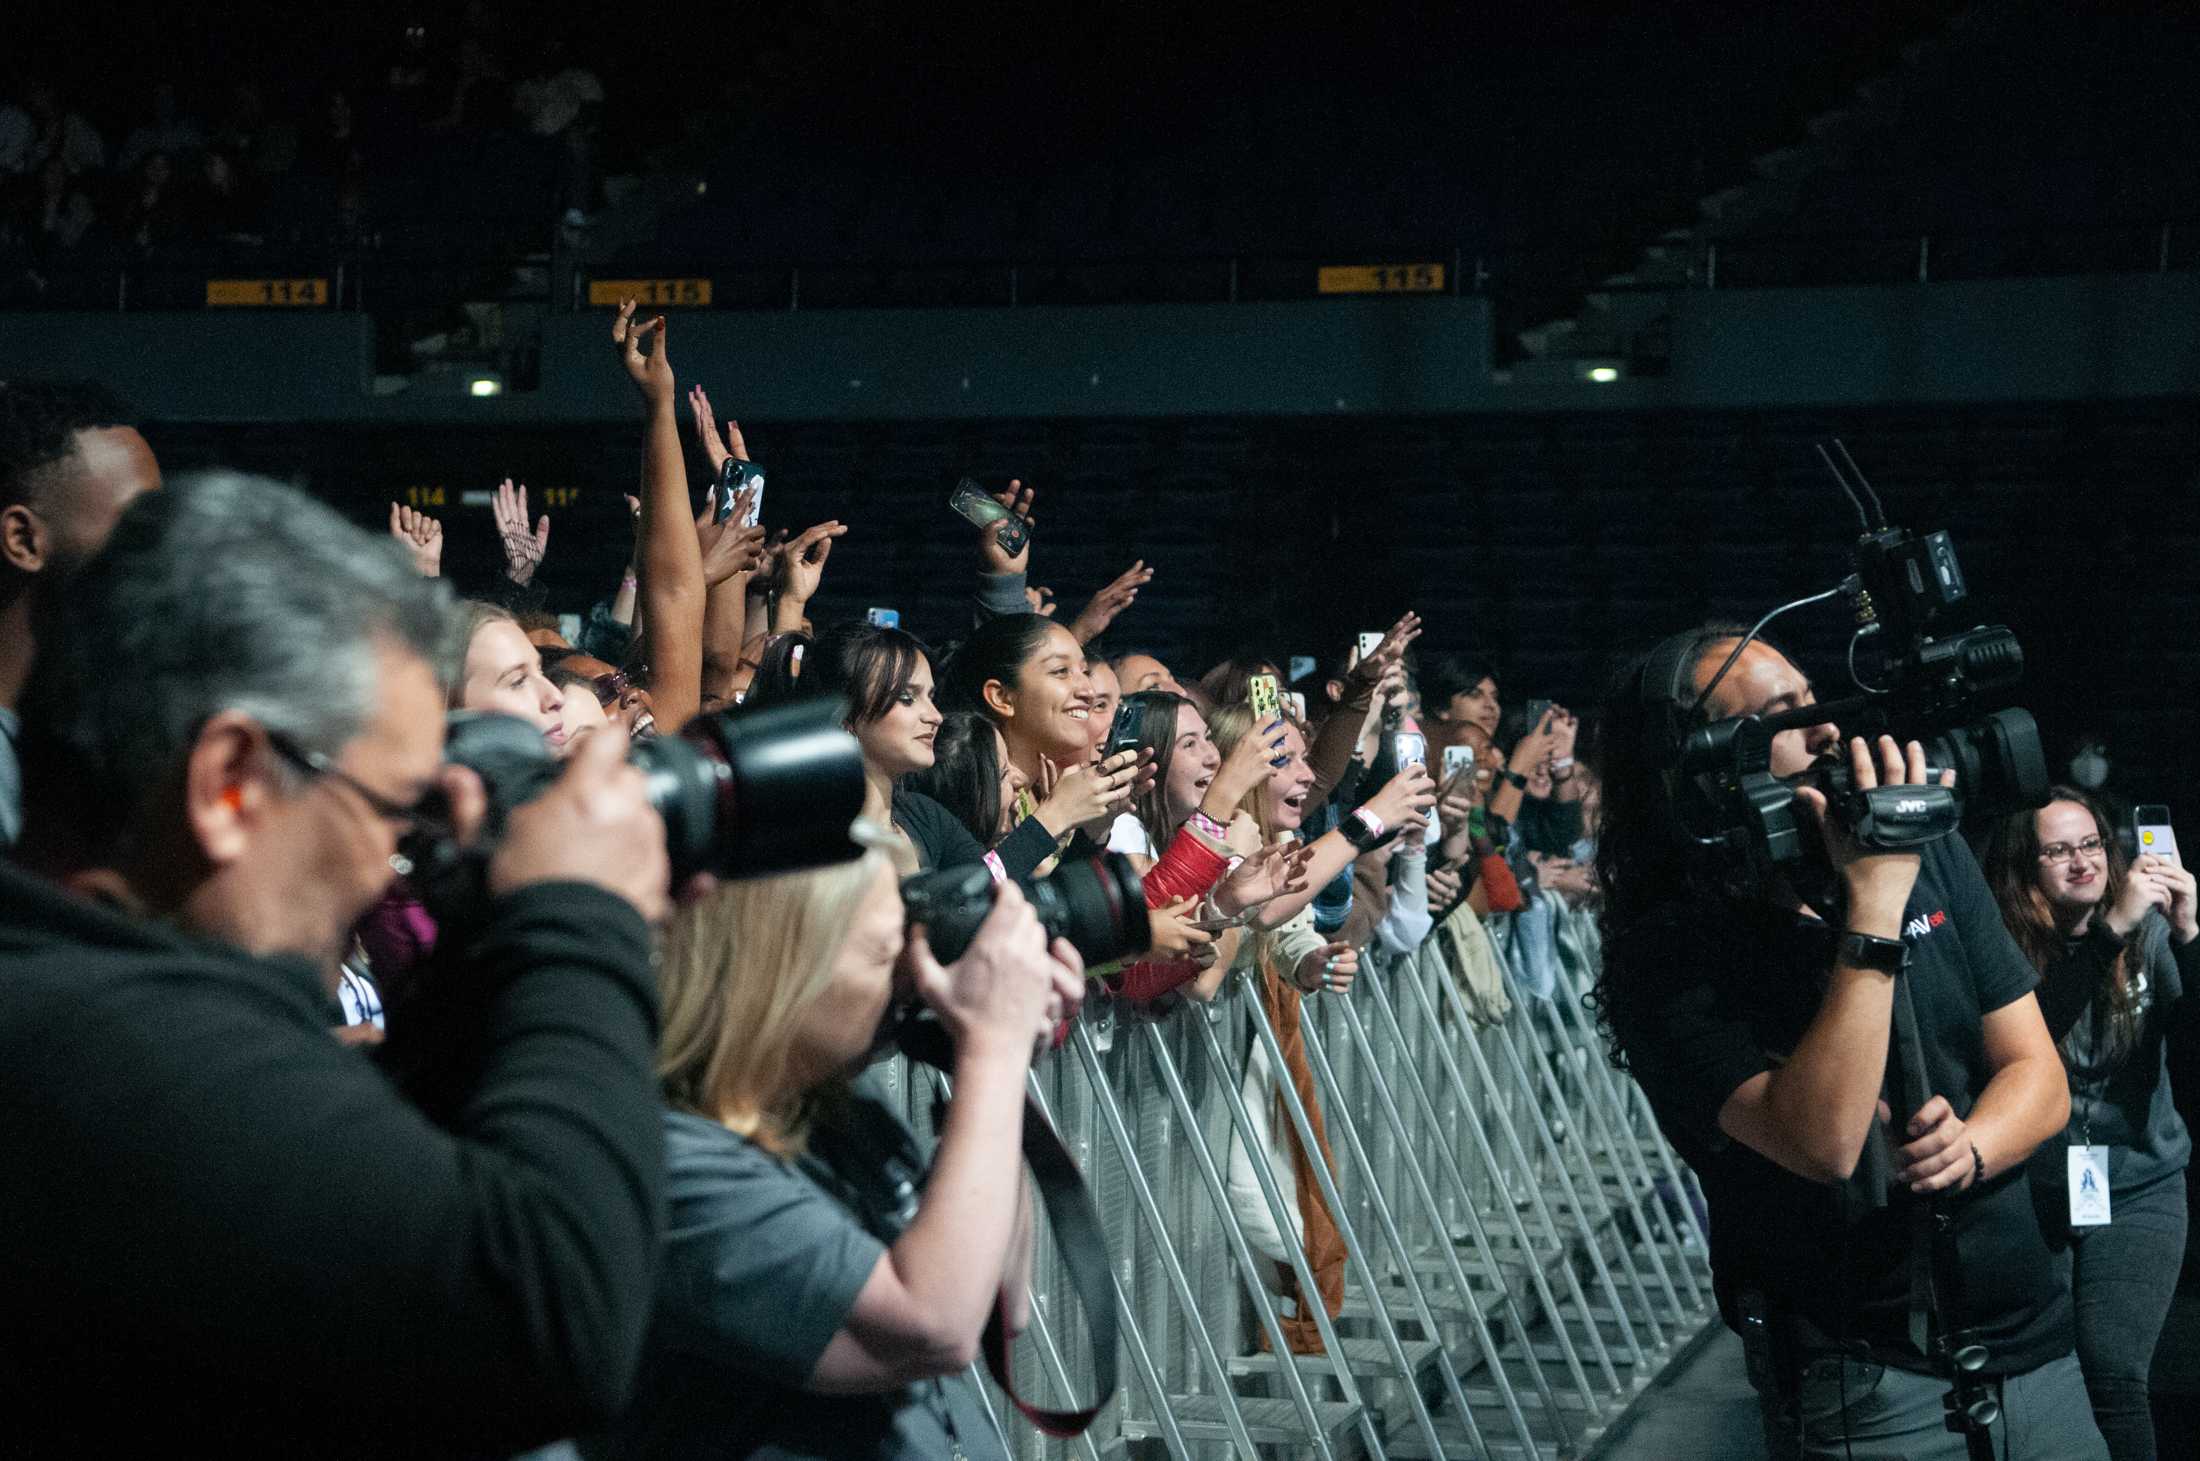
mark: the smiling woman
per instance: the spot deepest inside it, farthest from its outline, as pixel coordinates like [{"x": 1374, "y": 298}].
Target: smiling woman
[{"x": 1028, "y": 676}]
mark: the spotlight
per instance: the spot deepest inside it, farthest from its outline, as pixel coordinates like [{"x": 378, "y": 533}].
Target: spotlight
[
  {"x": 485, "y": 385},
  {"x": 1603, "y": 375}
]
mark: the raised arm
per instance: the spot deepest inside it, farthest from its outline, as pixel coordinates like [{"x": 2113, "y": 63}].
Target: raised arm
[{"x": 673, "y": 591}]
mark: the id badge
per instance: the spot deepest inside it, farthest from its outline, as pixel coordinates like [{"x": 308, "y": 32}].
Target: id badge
[{"x": 2088, "y": 1172}]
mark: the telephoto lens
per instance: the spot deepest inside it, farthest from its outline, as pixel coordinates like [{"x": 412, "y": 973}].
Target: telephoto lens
[
  {"x": 741, "y": 795},
  {"x": 1099, "y": 905}
]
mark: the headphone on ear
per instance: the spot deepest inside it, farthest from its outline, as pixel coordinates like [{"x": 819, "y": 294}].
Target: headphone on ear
[{"x": 1665, "y": 692}]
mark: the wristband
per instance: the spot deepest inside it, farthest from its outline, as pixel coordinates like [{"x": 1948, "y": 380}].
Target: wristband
[
  {"x": 1563, "y": 763},
  {"x": 1888, "y": 956},
  {"x": 1514, "y": 778},
  {"x": 1207, "y": 826}
]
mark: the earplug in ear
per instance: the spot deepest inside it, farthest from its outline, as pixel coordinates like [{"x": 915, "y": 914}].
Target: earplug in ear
[{"x": 233, "y": 798}]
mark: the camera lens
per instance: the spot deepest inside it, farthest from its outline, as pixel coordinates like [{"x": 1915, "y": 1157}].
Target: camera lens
[
  {"x": 767, "y": 792},
  {"x": 1099, "y": 905}
]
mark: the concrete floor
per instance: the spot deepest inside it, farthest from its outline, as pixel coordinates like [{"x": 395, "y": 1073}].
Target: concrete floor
[{"x": 1700, "y": 1409}]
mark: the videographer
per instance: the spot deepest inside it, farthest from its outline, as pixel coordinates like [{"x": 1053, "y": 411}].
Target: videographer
[
  {"x": 227, "y": 1227},
  {"x": 1758, "y": 1018},
  {"x": 809, "y": 1254}
]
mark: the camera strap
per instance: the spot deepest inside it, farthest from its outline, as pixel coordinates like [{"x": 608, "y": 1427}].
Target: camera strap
[{"x": 1079, "y": 1240}]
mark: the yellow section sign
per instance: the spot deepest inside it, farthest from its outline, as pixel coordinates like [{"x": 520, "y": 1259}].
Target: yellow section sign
[
  {"x": 1381, "y": 279},
  {"x": 280, "y": 293},
  {"x": 649, "y": 291}
]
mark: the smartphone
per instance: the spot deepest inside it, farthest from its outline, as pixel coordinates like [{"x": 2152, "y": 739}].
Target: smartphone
[
  {"x": 1370, "y": 641},
  {"x": 2151, "y": 823},
  {"x": 1123, "y": 730},
  {"x": 1457, "y": 759},
  {"x": 883, "y": 618},
  {"x": 734, "y": 478},
  {"x": 1411, "y": 749},
  {"x": 1266, "y": 698},
  {"x": 1537, "y": 709},
  {"x": 978, "y": 506}
]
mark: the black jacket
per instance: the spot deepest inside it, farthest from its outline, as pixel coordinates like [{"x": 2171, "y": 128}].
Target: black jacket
[{"x": 221, "y": 1231}]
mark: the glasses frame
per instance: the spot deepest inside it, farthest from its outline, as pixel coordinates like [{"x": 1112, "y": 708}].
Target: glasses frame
[
  {"x": 2085, "y": 847},
  {"x": 406, "y": 820}
]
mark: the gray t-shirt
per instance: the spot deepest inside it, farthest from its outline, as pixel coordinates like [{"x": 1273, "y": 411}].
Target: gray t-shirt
[
  {"x": 11, "y": 779},
  {"x": 762, "y": 1263}
]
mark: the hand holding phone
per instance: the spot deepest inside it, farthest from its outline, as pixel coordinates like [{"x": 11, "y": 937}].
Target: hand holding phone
[
  {"x": 1266, "y": 698},
  {"x": 980, "y": 508},
  {"x": 734, "y": 477}
]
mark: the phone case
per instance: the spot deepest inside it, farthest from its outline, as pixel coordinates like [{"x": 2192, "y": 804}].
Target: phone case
[
  {"x": 1266, "y": 699},
  {"x": 2156, "y": 838},
  {"x": 977, "y": 506}
]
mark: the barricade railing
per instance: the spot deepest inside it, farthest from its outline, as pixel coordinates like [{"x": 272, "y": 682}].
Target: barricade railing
[{"x": 1522, "y": 1249}]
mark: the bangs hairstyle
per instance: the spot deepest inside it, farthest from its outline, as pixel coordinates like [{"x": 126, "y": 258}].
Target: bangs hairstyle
[
  {"x": 2012, "y": 866},
  {"x": 864, "y": 663},
  {"x": 742, "y": 969}
]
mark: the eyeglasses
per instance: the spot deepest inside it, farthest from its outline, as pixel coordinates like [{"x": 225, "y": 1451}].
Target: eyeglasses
[
  {"x": 2068, "y": 851},
  {"x": 406, "y": 820}
]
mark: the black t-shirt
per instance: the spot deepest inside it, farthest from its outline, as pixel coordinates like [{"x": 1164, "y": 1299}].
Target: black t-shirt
[{"x": 1721, "y": 990}]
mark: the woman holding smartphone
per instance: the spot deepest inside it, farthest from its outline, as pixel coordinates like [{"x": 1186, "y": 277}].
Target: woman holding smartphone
[{"x": 2117, "y": 944}]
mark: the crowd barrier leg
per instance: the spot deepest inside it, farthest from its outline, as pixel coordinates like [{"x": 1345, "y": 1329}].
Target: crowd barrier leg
[
  {"x": 1503, "y": 1199},
  {"x": 1636, "y": 1143},
  {"x": 1410, "y": 1070},
  {"x": 1133, "y": 1333},
  {"x": 1587, "y": 1198},
  {"x": 1441, "y": 1245},
  {"x": 1230, "y": 1417},
  {"x": 1466, "y": 1031},
  {"x": 1616, "y": 1188},
  {"x": 1638, "y": 1104},
  {"x": 1377, "y": 1296},
  {"x": 1318, "y": 1425}
]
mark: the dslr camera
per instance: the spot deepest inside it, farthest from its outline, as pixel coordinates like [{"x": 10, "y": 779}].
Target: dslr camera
[{"x": 742, "y": 795}]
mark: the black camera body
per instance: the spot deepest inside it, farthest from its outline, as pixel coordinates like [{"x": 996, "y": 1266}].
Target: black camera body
[
  {"x": 742, "y": 795},
  {"x": 1740, "y": 822}
]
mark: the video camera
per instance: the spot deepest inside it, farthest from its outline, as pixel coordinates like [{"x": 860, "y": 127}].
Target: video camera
[
  {"x": 1943, "y": 690},
  {"x": 742, "y": 795}
]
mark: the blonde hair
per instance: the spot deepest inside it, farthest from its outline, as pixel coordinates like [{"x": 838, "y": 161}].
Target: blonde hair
[
  {"x": 741, "y": 970},
  {"x": 1229, "y": 724}
]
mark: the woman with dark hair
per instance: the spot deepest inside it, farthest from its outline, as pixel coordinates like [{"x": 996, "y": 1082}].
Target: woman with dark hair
[
  {"x": 2115, "y": 942},
  {"x": 1188, "y": 846}
]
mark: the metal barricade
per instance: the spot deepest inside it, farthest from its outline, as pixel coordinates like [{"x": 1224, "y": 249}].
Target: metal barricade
[{"x": 1523, "y": 1249}]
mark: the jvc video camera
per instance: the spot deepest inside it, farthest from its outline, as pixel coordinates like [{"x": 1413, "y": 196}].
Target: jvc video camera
[{"x": 1945, "y": 690}]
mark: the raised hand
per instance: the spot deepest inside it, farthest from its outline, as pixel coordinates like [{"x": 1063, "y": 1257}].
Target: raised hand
[
  {"x": 1276, "y": 871},
  {"x": 802, "y": 562},
  {"x": 523, "y": 550},
  {"x": 1094, "y": 618},
  {"x": 729, "y": 549},
  {"x": 651, "y": 373},
  {"x": 716, "y": 448},
  {"x": 1017, "y": 499},
  {"x": 1071, "y": 797},
  {"x": 1405, "y": 798},
  {"x": 1244, "y": 768},
  {"x": 1041, "y": 601},
  {"x": 422, "y": 538},
  {"x": 1391, "y": 651}
]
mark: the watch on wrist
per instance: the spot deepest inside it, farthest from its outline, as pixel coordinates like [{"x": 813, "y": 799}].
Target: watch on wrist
[
  {"x": 1362, "y": 830},
  {"x": 1867, "y": 951},
  {"x": 1514, "y": 777}
]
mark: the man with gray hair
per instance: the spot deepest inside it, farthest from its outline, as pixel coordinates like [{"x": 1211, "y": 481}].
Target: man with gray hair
[{"x": 228, "y": 1225}]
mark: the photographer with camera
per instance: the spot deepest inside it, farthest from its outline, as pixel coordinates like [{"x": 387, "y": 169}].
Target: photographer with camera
[
  {"x": 820, "y": 1292},
  {"x": 1758, "y": 1016},
  {"x": 214, "y": 1209}
]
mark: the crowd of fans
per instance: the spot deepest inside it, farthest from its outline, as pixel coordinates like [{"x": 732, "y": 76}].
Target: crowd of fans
[
  {"x": 254, "y": 164},
  {"x": 593, "y": 1156}
]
